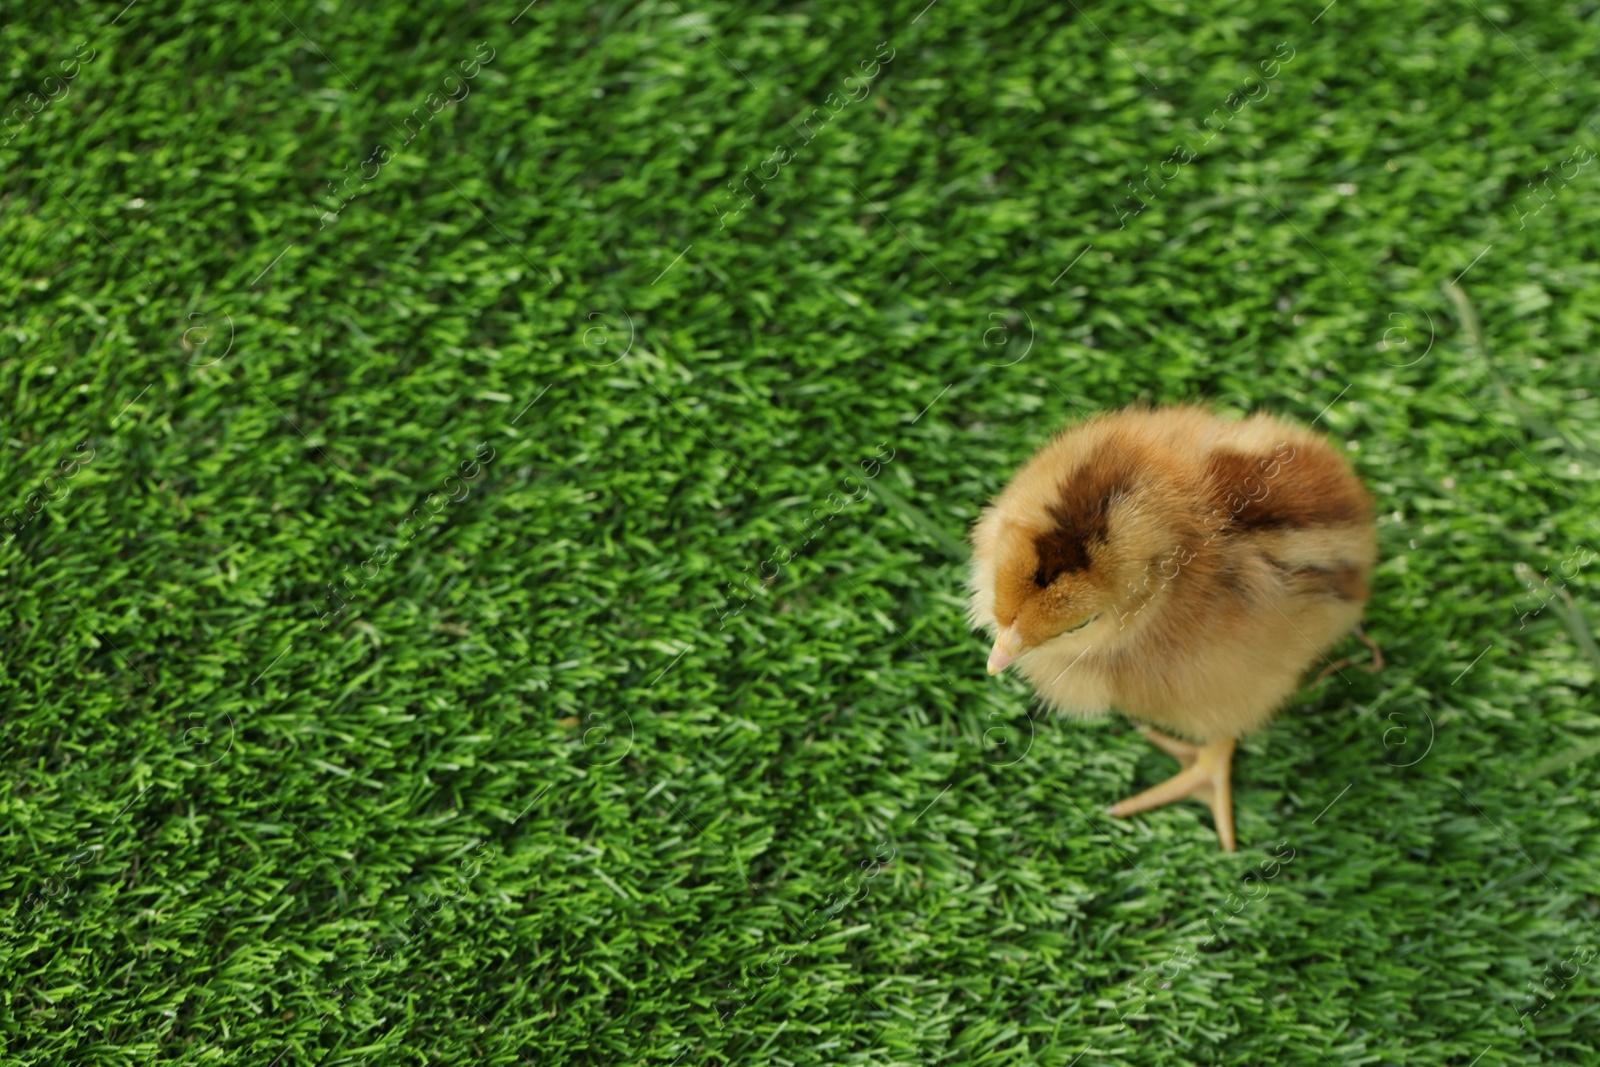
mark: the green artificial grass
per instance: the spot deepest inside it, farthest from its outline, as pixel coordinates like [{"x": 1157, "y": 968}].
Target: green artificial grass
[{"x": 507, "y": 606}]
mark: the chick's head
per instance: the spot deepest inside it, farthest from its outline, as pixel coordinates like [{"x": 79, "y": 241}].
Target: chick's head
[{"x": 1057, "y": 553}]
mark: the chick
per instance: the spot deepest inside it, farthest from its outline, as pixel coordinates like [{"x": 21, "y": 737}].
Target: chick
[{"x": 1179, "y": 568}]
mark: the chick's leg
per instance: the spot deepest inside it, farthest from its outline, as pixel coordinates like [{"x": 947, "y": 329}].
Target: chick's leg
[{"x": 1207, "y": 773}]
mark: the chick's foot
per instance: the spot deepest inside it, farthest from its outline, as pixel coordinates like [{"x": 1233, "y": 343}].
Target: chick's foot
[
  {"x": 1207, "y": 774},
  {"x": 1373, "y": 668}
]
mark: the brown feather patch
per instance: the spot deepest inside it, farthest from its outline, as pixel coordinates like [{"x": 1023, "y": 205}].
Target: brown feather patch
[
  {"x": 1344, "y": 583},
  {"x": 1080, "y": 514},
  {"x": 1291, "y": 489}
]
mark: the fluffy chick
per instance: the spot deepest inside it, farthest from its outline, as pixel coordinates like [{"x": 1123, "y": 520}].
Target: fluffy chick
[{"x": 1179, "y": 568}]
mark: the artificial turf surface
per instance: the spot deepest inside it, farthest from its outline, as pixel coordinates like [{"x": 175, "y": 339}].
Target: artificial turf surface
[{"x": 599, "y": 753}]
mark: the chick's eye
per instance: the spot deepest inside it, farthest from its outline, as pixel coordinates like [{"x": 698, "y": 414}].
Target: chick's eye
[{"x": 1039, "y": 578}]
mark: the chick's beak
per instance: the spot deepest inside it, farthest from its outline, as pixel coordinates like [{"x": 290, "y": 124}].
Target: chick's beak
[{"x": 1006, "y": 648}]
